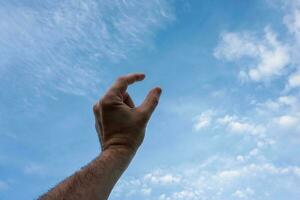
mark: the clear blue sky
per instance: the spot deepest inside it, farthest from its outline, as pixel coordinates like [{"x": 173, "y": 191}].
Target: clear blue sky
[{"x": 227, "y": 126}]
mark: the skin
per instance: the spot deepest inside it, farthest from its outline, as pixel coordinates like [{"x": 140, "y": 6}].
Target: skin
[{"x": 121, "y": 129}]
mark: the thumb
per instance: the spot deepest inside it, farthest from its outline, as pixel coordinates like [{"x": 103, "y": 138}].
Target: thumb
[{"x": 151, "y": 101}]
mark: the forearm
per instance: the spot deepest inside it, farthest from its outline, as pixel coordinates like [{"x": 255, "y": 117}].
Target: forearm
[
  {"x": 121, "y": 128},
  {"x": 96, "y": 180}
]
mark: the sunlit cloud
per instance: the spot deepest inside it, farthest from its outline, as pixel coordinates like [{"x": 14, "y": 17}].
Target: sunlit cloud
[{"x": 270, "y": 56}]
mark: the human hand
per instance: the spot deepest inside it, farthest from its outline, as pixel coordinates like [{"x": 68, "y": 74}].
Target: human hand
[{"x": 119, "y": 124}]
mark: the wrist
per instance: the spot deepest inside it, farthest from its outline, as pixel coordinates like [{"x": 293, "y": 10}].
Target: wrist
[
  {"x": 119, "y": 151},
  {"x": 123, "y": 144}
]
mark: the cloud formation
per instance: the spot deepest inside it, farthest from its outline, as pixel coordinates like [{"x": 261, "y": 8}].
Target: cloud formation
[
  {"x": 217, "y": 178},
  {"x": 263, "y": 137},
  {"x": 64, "y": 43},
  {"x": 270, "y": 56}
]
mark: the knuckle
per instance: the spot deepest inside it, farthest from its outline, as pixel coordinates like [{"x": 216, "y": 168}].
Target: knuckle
[
  {"x": 104, "y": 102},
  {"x": 121, "y": 79},
  {"x": 96, "y": 107}
]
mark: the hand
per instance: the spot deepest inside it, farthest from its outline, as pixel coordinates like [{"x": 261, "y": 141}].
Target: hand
[{"x": 119, "y": 123}]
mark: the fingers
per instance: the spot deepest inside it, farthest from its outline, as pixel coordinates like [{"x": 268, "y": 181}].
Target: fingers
[
  {"x": 150, "y": 102},
  {"x": 128, "y": 101},
  {"x": 122, "y": 82}
]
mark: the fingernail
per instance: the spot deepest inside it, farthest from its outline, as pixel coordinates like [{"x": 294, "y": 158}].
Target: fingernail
[{"x": 159, "y": 91}]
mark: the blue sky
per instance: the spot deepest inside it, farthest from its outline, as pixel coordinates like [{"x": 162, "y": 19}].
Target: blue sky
[{"x": 227, "y": 126}]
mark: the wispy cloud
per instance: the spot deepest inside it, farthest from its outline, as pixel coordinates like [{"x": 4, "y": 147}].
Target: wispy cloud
[
  {"x": 244, "y": 193},
  {"x": 61, "y": 45},
  {"x": 35, "y": 169},
  {"x": 203, "y": 120}
]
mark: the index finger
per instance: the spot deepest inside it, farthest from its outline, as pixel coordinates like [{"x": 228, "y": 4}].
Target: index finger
[{"x": 122, "y": 82}]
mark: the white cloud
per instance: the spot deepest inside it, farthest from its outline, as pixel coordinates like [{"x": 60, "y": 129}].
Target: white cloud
[
  {"x": 147, "y": 184},
  {"x": 270, "y": 105},
  {"x": 258, "y": 151},
  {"x": 35, "y": 169},
  {"x": 240, "y": 158},
  {"x": 157, "y": 177},
  {"x": 244, "y": 194},
  {"x": 239, "y": 126},
  {"x": 292, "y": 21},
  {"x": 288, "y": 100},
  {"x": 64, "y": 44},
  {"x": 288, "y": 121},
  {"x": 220, "y": 179},
  {"x": 182, "y": 195},
  {"x": 203, "y": 120},
  {"x": 146, "y": 191},
  {"x": 233, "y": 123},
  {"x": 294, "y": 80},
  {"x": 282, "y": 114},
  {"x": 228, "y": 175},
  {"x": 270, "y": 56},
  {"x": 234, "y": 46},
  {"x": 279, "y": 104},
  {"x": 247, "y": 171}
]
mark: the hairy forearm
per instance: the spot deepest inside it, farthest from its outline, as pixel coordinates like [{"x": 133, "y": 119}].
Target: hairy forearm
[
  {"x": 94, "y": 181},
  {"x": 121, "y": 129}
]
